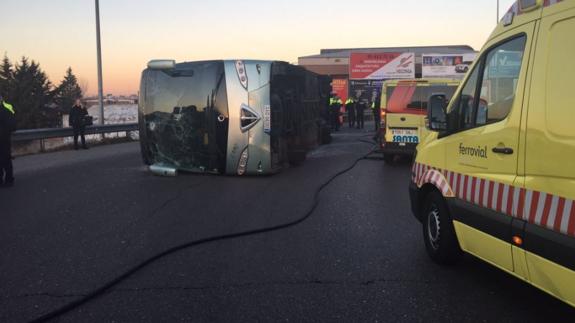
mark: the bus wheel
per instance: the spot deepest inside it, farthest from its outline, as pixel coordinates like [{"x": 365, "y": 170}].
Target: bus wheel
[
  {"x": 388, "y": 158},
  {"x": 438, "y": 232}
]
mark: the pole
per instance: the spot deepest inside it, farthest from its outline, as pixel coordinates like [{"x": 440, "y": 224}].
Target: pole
[
  {"x": 99, "y": 50},
  {"x": 497, "y": 21}
]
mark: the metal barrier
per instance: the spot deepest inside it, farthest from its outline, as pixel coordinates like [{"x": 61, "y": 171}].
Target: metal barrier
[{"x": 38, "y": 134}]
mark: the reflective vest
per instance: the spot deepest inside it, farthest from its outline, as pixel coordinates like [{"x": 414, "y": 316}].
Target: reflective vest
[
  {"x": 8, "y": 107},
  {"x": 349, "y": 101},
  {"x": 373, "y": 105},
  {"x": 333, "y": 101}
]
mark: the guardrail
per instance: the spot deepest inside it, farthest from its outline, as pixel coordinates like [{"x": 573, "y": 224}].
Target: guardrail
[{"x": 46, "y": 133}]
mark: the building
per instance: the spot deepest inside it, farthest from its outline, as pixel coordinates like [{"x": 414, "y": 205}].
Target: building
[{"x": 367, "y": 78}]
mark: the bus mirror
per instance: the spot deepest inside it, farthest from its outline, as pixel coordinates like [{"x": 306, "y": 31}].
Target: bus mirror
[{"x": 436, "y": 114}]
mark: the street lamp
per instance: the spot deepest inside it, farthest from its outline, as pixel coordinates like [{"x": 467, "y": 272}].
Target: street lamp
[
  {"x": 99, "y": 50},
  {"x": 497, "y": 22}
]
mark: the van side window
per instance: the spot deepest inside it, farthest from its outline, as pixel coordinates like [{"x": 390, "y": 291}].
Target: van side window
[
  {"x": 488, "y": 95},
  {"x": 500, "y": 76},
  {"x": 465, "y": 105}
]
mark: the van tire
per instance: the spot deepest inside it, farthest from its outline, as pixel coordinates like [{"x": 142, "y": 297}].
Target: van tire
[
  {"x": 438, "y": 231},
  {"x": 388, "y": 158}
]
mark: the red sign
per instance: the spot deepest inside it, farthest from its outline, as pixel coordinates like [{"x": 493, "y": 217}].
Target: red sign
[
  {"x": 380, "y": 66},
  {"x": 339, "y": 86}
]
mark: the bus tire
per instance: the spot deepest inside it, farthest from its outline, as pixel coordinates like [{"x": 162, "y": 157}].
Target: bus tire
[{"x": 438, "y": 231}]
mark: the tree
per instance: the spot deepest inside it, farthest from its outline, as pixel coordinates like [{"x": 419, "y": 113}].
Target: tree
[
  {"x": 6, "y": 77},
  {"x": 67, "y": 92},
  {"x": 30, "y": 93}
]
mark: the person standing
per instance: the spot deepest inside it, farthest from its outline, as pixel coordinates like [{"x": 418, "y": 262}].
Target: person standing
[
  {"x": 77, "y": 121},
  {"x": 7, "y": 126},
  {"x": 359, "y": 112},
  {"x": 350, "y": 108},
  {"x": 335, "y": 107}
]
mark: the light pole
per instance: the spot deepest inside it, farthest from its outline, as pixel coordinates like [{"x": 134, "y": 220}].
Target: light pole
[
  {"x": 497, "y": 22},
  {"x": 99, "y": 50}
]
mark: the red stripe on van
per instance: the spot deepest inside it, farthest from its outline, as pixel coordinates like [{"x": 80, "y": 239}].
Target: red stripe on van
[
  {"x": 465, "y": 183},
  {"x": 490, "y": 194},
  {"x": 534, "y": 202},
  {"x": 559, "y": 217},
  {"x": 571, "y": 226},
  {"x": 510, "y": 195},
  {"x": 499, "y": 205},
  {"x": 547, "y": 209},
  {"x": 521, "y": 206},
  {"x": 481, "y": 191}
]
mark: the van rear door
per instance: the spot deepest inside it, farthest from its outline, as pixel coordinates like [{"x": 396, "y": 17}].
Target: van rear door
[
  {"x": 407, "y": 108},
  {"x": 549, "y": 174}
]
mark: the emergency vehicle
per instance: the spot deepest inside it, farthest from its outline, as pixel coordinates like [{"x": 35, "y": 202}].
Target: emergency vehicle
[
  {"x": 403, "y": 111},
  {"x": 496, "y": 178}
]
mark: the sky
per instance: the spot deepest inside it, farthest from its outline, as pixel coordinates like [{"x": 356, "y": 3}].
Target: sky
[{"x": 61, "y": 33}]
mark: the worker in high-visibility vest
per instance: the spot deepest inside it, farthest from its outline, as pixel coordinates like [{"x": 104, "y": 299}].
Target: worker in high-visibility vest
[
  {"x": 350, "y": 109},
  {"x": 334, "y": 108},
  {"x": 7, "y": 126}
]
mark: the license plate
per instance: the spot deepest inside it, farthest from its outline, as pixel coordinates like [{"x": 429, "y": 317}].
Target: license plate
[
  {"x": 267, "y": 119},
  {"x": 405, "y": 136}
]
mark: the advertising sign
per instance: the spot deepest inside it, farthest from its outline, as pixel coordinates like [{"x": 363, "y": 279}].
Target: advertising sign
[
  {"x": 380, "y": 66},
  {"x": 366, "y": 90},
  {"x": 446, "y": 65},
  {"x": 339, "y": 86}
]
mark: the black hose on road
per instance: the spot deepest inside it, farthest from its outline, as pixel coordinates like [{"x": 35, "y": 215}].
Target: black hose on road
[{"x": 101, "y": 290}]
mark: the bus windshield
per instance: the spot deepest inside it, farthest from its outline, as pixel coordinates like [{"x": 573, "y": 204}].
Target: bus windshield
[
  {"x": 186, "y": 115},
  {"x": 412, "y": 98}
]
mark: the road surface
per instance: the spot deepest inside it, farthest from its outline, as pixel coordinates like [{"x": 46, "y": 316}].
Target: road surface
[{"x": 76, "y": 219}]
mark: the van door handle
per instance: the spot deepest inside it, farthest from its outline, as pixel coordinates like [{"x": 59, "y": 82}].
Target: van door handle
[{"x": 503, "y": 150}]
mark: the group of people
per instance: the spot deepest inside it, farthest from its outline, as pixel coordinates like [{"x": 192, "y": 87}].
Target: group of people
[
  {"x": 355, "y": 109},
  {"x": 78, "y": 114}
]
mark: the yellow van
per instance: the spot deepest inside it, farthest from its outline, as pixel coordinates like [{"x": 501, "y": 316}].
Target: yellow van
[
  {"x": 496, "y": 178},
  {"x": 403, "y": 112}
]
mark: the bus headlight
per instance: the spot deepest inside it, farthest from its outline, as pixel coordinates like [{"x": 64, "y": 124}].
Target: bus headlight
[
  {"x": 243, "y": 162},
  {"x": 242, "y": 75}
]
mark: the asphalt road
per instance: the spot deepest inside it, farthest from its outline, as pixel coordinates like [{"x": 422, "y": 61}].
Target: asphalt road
[{"x": 76, "y": 219}]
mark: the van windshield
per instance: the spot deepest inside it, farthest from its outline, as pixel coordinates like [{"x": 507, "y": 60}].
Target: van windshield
[{"x": 413, "y": 98}]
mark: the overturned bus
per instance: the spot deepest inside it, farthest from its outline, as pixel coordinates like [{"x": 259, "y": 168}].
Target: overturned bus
[{"x": 230, "y": 117}]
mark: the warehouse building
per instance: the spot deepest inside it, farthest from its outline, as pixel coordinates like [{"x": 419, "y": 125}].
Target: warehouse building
[{"x": 361, "y": 71}]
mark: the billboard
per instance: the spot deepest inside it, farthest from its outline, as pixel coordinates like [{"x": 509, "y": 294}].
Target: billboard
[
  {"x": 446, "y": 65},
  {"x": 365, "y": 90},
  {"x": 339, "y": 86},
  {"x": 381, "y": 66}
]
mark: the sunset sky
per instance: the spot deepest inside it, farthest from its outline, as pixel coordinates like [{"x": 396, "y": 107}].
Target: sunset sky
[{"x": 61, "y": 33}]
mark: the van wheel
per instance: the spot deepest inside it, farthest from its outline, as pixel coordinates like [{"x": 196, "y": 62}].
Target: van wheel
[
  {"x": 438, "y": 232},
  {"x": 388, "y": 158}
]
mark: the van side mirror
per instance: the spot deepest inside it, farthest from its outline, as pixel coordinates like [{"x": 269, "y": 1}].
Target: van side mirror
[{"x": 436, "y": 114}]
